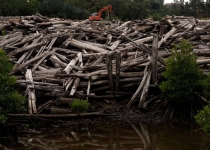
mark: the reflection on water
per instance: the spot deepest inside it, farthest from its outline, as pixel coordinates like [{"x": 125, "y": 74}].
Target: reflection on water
[{"x": 113, "y": 136}]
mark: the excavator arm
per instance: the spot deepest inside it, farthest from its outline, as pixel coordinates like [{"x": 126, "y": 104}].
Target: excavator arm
[{"x": 98, "y": 16}]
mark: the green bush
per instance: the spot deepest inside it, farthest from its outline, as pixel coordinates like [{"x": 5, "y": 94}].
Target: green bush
[
  {"x": 156, "y": 17},
  {"x": 10, "y": 100},
  {"x": 183, "y": 76},
  {"x": 79, "y": 106},
  {"x": 206, "y": 88},
  {"x": 203, "y": 118},
  {"x": 3, "y": 32}
]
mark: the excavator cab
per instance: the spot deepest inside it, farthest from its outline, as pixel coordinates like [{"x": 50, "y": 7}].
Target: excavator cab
[{"x": 97, "y": 16}]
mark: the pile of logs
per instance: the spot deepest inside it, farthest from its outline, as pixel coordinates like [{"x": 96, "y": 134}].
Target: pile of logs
[{"x": 96, "y": 60}]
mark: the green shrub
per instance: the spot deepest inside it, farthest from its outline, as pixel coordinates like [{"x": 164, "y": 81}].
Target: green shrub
[
  {"x": 183, "y": 76},
  {"x": 156, "y": 17},
  {"x": 203, "y": 118},
  {"x": 79, "y": 106},
  {"x": 206, "y": 88},
  {"x": 10, "y": 100},
  {"x": 3, "y": 32}
]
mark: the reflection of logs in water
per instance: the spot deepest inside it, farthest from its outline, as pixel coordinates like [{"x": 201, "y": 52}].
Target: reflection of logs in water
[{"x": 109, "y": 136}]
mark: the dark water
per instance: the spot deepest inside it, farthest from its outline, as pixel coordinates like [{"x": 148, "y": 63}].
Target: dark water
[{"x": 113, "y": 136}]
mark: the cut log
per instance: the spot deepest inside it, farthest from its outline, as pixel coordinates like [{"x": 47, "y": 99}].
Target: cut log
[
  {"x": 31, "y": 93},
  {"x": 21, "y": 50},
  {"x": 118, "y": 65},
  {"x": 167, "y": 35},
  {"x": 45, "y": 54},
  {"x": 139, "y": 88},
  {"x": 154, "y": 59},
  {"x": 145, "y": 90},
  {"x": 109, "y": 68},
  {"x": 100, "y": 113},
  {"x": 72, "y": 63}
]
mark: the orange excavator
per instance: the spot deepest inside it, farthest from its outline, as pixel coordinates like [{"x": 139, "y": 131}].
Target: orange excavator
[{"x": 97, "y": 16}]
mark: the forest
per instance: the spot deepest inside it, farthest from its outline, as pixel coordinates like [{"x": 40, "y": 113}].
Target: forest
[{"x": 122, "y": 9}]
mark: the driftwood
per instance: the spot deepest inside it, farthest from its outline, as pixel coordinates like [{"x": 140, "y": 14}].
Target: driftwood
[
  {"x": 31, "y": 93},
  {"x": 100, "y": 113},
  {"x": 70, "y": 60}
]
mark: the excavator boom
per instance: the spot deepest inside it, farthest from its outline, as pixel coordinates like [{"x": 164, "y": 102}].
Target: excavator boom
[{"x": 98, "y": 16}]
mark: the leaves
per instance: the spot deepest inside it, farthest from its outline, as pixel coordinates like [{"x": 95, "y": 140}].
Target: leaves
[
  {"x": 10, "y": 99},
  {"x": 203, "y": 118},
  {"x": 79, "y": 106},
  {"x": 184, "y": 77}
]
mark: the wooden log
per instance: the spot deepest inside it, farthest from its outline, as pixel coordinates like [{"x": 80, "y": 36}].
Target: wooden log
[
  {"x": 167, "y": 35},
  {"x": 22, "y": 58},
  {"x": 133, "y": 62},
  {"x": 75, "y": 85},
  {"x": 146, "y": 49},
  {"x": 32, "y": 46},
  {"x": 109, "y": 39},
  {"x": 114, "y": 45},
  {"x": 109, "y": 69},
  {"x": 203, "y": 61},
  {"x": 85, "y": 46},
  {"x": 118, "y": 64},
  {"x": 139, "y": 88},
  {"x": 56, "y": 60},
  {"x": 90, "y": 30},
  {"x": 100, "y": 113},
  {"x": 77, "y": 80},
  {"x": 97, "y": 96},
  {"x": 201, "y": 51},
  {"x": 62, "y": 57},
  {"x": 45, "y": 54},
  {"x": 139, "y": 41},
  {"x": 36, "y": 83},
  {"x": 72, "y": 63},
  {"x": 154, "y": 59},
  {"x": 145, "y": 104},
  {"x": 31, "y": 93},
  {"x": 43, "y": 106},
  {"x": 69, "y": 83},
  {"x": 10, "y": 40},
  {"x": 145, "y": 90},
  {"x": 88, "y": 88},
  {"x": 54, "y": 110}
]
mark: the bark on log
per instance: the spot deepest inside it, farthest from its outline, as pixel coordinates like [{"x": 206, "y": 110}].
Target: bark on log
[
  {"x": 21, "y": 50},
  {"x": 167, "y": 35},
  {"x": 100, "y": 113},
  {"x": 109, "y": 68},
  {"x": 145, "y": 90},
  {"x": 139, "y": 88},
  {"x": 31, "y": 93},
  {"x": 154, "y": 59},
  {"x": 45, "y": 54},
  {"x": 118, "y": 65}
]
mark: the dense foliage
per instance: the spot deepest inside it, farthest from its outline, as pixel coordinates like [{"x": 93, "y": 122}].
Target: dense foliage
[
  {"x": 10, "y": 99},
  {"x": 203, "y": 118},
  {"x": 122, "y": 9},
  {"x": 184, "y": 77}
]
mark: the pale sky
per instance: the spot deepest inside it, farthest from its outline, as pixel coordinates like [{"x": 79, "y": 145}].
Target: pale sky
[{"x": 170, "y": 1}]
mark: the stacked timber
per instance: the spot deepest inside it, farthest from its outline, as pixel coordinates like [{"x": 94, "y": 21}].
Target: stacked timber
[{"x": 96, "y": 60}]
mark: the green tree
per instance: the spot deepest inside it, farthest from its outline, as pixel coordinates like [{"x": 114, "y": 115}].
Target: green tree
[
  {"x": 183, "y": 78},
  {"x": 10, "y": 100}
]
